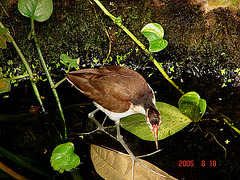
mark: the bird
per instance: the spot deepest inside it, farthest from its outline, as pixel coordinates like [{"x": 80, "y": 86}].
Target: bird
[{"x": 118, "y": 92}]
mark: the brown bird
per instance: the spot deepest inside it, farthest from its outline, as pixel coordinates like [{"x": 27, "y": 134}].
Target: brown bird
[{"x": 118, "y": 92}]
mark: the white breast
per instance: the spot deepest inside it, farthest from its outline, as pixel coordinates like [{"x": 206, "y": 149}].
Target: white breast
[{"x": 117, "y": 116}]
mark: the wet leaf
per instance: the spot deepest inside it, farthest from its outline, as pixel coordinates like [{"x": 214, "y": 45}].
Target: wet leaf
[
  {"x": 63, "y": 157},
  {"x": 34, "y": 109},
  {"x": 5, "y": 85},
  {"x": 192, "y": 105},
  {"x": 172, "y": 121},
  {"x": 39, "y": 10},
  {"x": 154, "y": 33},
  {"x": 112, "y": 165}
]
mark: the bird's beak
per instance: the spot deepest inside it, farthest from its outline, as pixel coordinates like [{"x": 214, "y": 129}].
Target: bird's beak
[{"x": 155, "y": 134}]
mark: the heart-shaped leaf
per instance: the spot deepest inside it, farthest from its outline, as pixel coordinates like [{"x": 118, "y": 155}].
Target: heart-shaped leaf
[
  {"x": 158, "y": 45},
  {"x": 63, "y": 157},
  {"x": 39, "y": 10},
  {"x": 154, "y": 33},
  {"x": 172, "y": 121},
  {"x": 112, "y": 165},
  {"x": 192, "y": 105}
]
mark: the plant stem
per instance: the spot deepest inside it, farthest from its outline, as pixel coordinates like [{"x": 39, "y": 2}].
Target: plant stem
[
  {"x": 35, "y": 89},
  {"x": 11, "y": 172},
  {"x": 48, "y": 77},
  {"x": 24, "y": 163},
  {"x": 19, "y": 77}
]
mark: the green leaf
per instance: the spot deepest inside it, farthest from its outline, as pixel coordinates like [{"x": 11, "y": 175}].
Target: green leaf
[
  {"x": 172, "y": 121},
  {"x": 5, "y": 84},
  {"x": 4, "y": 37},
  {"x": 67, "y": 61},
  {"x": 63, "y": 157},
  {"x": 158, "y": 45},
  {"x": 192, "y": 105},
  {"x": 39, "y": 10},
  {"x": 154, "y": 33}
]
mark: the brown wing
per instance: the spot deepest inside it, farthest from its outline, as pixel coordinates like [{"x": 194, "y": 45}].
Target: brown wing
[{"x": 112, "y": 87}]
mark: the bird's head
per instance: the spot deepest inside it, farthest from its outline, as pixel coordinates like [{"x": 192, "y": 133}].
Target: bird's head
[{"x": 153, "y": 119}]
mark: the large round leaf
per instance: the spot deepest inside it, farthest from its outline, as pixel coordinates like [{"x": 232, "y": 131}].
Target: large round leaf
[
  {"x": 192, "y": 105},
  {"x": 39, "y": 10},
  {"x": 172, "y": 121}
]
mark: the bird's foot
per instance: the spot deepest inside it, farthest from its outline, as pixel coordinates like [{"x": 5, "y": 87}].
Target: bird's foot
[
  {"x": 131, "y": 155},
  {"x": 88, "y": 133},
  {"x": 100, "y": 127}
]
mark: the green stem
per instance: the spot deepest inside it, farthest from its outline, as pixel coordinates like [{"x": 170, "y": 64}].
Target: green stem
[
  {"x": 27, "y": 68},
  {"x": 48, "y": 77},
  {"x": 19, "y": 77}
]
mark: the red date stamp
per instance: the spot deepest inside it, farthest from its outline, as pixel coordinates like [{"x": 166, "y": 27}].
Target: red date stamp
[{"x": 203, "y": 163}]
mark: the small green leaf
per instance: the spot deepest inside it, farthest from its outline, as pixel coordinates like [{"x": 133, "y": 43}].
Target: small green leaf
[
  {"x": 154, "y": 33},
  {"x": 118, "y": 20},
  {"x": 39, "y": 10},
  {"x": 4, "y": 37},
  {"x": 63, "y": 157},
  {"x": 192, "y": 105},
  {"x": 67, "y": 61},
  {"x": 172, "y": 121},
  {"x": 158, "y": 45}
]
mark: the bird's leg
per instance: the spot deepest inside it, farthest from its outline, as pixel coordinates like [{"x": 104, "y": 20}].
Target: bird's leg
[
  {"x": 120, "y": 139},
  {"x": 100, "y": 127},
  {"x": 91, "y": 116},
  {"x": 104, "y": 120}
]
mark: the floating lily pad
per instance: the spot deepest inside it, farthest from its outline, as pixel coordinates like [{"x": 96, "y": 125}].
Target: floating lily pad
[
  {"x": 192, "y": 105},
  {"x": 172, "y": 121},
  {"x": 63, "y": 157}
]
